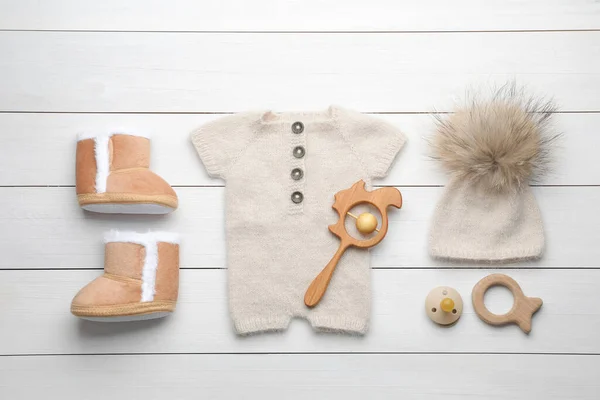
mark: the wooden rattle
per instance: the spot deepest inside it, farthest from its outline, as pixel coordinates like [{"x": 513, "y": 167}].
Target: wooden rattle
[
  {"x": 522, "y": 310},
  {"x": 365, "y": 223}
]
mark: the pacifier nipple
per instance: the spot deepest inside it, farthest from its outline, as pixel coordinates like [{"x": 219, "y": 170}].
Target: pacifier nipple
[
  {"x": 444, "y": 305},
  {"x": 447, "y": 304}
]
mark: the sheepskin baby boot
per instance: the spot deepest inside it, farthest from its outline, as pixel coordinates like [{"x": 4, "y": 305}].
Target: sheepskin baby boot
[
  {"x": 113, "y": 176},
  {"x": 140, "y": 280}
]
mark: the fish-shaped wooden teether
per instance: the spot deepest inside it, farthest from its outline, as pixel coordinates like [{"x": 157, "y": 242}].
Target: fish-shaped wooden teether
[
  {"x": 344, "y": 201},
  {"x": 523, "y": 307}
]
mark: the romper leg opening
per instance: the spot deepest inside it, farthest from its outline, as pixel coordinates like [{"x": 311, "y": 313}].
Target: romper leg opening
[
  {"x": 335, "y": 324},
  {"x": 249, "y": 326}
]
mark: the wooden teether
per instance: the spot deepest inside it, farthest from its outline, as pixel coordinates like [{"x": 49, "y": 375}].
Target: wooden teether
[
  {"x": 523, "y": 307},
  {"x": 344, "y": 201}
]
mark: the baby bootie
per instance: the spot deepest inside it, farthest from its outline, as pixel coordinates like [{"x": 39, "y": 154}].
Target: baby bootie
[
  {"x": 140, "y": 280},
  {"x": 113, "y": 176}
]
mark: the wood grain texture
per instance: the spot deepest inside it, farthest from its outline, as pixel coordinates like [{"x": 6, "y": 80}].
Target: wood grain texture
[
  {"x": 45, "y": 228},
  {"x": 297, "y": 377},
  {"x": 345, "y": 200},
  {"x": 520, "y": 313},
  {"x": 413, "y": 72},
  {"x": 36, "y": 320},
  {"x": 33, "y": 140},
  {"x": 294, "y": 15}
]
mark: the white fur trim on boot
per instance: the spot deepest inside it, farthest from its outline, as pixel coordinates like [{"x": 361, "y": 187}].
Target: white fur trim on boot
[
  {"x": 101, "y": 150},
  {"x": 150, "y": 242}
]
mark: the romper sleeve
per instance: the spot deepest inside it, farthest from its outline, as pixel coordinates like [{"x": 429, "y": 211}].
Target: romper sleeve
[
  {"x": 375, "y": 142},
  {"x": 221, "y": 142}
]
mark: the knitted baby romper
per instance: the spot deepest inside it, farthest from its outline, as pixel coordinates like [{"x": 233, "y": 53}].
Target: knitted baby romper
[{"x": 282, "y": 171}]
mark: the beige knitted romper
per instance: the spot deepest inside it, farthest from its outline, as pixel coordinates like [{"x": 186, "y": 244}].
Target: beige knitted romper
[{"x": 282, "y": 171}]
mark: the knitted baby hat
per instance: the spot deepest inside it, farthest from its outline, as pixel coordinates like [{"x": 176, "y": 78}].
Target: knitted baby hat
[{"x": 492, "y": 150}]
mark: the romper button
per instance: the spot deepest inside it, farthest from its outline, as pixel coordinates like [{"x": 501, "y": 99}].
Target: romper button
[
  {"x": 297, "y": 197},
  {"x": 299, "y": 152},
  {"x": 297, "y": 127},
  {"x": 297, "y": 174}
]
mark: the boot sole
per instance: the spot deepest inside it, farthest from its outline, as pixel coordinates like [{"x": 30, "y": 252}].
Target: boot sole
[
  {"x": 125, "y": 312},
  {"x": 126, "y": 203}
]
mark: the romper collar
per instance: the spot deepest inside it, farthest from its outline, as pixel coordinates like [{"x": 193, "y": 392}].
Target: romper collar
[{"x": 272, "y": 117}]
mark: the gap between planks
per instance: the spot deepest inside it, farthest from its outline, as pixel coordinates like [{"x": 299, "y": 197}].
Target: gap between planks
[
  {"x": 313, "y": 32},
  {"x": 292, "y": 353},
  {"x": 17, "y": 112},
  {"x": 442, "y": 268},
  {"x": 223, "y": 186}
]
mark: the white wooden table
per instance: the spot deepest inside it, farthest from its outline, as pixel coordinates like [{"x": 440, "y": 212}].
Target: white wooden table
[{"x": 164, "y": 68}]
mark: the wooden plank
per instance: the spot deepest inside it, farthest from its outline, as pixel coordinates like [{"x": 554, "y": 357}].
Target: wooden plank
[
  {"x": 179, "y": 72},
  {"x": 290, "y": 15},
  {"x": 348, "y": 376},
  {"x": 36, "y": 320},
  {"x": 49, "y": 140},
  {"x": 45, "y": 228}
]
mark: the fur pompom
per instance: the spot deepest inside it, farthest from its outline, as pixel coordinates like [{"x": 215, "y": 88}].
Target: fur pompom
[{"x": 501, "y": 143}]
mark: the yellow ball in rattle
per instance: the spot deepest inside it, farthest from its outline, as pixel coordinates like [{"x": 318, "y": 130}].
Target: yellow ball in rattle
[{"x": 366, "y": 223}]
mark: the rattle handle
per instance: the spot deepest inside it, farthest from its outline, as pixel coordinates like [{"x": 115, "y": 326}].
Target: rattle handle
[{"x": 317, "y": 288}]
